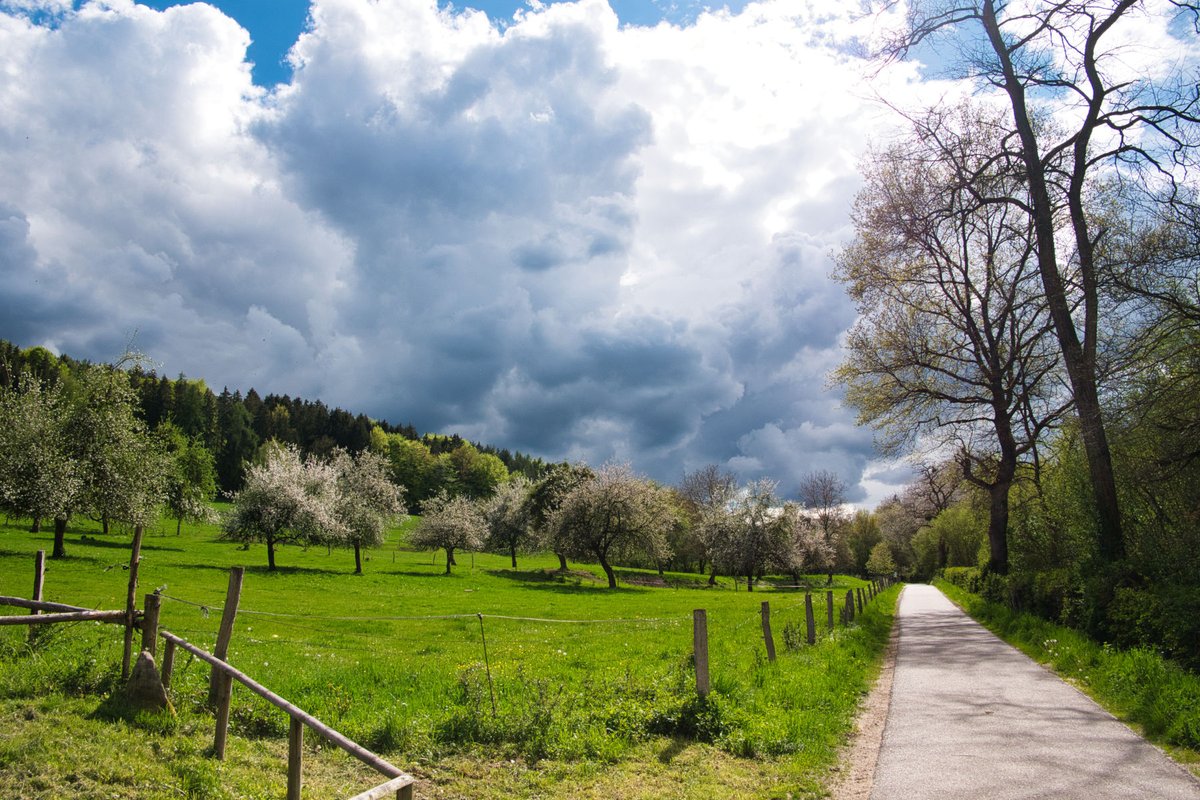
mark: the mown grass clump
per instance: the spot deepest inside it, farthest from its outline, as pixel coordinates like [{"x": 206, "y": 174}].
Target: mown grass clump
[
  {"x": 394, "y": 658},
  {"x": 1137, "y": 685}
]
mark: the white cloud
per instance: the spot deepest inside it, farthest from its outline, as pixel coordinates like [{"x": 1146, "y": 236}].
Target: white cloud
[{"x": 565, "y": 236}]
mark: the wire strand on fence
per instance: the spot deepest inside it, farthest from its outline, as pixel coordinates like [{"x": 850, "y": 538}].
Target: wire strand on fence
[{"x": 320, "y": 618}]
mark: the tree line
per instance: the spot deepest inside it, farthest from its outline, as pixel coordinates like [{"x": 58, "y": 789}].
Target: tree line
[
  {"x": 118, "y": 444},
  {"x": 1026, "y": 270}
]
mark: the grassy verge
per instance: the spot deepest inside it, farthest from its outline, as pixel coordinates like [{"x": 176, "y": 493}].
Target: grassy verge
[
  {"x": 599, "y": 703},
  {"x": 1137, "y": 685}
]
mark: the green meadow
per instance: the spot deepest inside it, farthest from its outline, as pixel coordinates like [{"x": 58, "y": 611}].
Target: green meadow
[{"x": 591, "y": 690}]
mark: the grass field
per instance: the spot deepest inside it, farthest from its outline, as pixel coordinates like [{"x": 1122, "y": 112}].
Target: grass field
[{"x": 594, "y": 688}]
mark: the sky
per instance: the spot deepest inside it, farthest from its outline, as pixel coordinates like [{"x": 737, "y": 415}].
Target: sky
[{"x": 582, "y": 230}]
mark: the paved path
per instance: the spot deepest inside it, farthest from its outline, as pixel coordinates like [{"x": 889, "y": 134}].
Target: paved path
[{"x": 971, "y": 717}]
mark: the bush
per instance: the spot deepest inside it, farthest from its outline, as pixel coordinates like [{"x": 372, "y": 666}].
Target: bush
[
  {"x": 1165, "y": 618},
  {"x": 969, "y": 579}
]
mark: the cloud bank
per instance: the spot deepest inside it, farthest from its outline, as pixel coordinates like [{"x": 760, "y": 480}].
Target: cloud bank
[{"x": 566, "y": 236}]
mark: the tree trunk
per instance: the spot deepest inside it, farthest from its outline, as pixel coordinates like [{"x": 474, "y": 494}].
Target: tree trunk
[
  {"x": 60, "y": 531},
  {"x": 514, "y": 556},
  {"x": 562, "y": 561},
  {"x": 712, "y": 576},
  {"x": 1077, "y": 357},
  {"x": 178, "y": 526},
  {"x": 357, "y": 559},
  {"x": 998, "y": 526},
  {"x": 36, "y": 527},
  {"x": 749, "y": 583},
  {"x": 608, "y": 570},
  {"x": 449, "y": 559},
  {"x": 104, "y": 523},
  {"x": 270, "y": 553}
]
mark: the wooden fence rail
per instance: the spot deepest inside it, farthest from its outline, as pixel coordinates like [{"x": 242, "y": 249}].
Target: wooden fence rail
[{"x": 399, "y": 782}]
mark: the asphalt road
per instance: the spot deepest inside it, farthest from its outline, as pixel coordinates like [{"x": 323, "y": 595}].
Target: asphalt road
[{"x": 971, "y": 717}]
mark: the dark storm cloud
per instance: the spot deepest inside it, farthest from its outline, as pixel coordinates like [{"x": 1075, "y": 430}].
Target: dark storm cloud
[{"x": 565, "y": 237}]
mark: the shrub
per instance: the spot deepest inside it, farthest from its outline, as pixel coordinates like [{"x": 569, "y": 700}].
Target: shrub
[{"x": 969, "y": 579}]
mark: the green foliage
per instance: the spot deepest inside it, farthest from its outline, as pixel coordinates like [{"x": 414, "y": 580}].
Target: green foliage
[{"x": 881, "y": 561}]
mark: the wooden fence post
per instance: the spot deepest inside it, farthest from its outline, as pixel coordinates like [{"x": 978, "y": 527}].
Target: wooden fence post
[
  {"x": 829, "y": 608},
  {"x": 135, "y": 559},
  {"x": 858, "y": 594},
  {"x": 766, "y": 626},
  {"x": 295, "y": 758},
  {"x": 224, "y": 695},
  {"x": 700, "y": 649},
  {"x": 809, "y": 621},
  {"x": 849, "y": 606},
  {"x": 232, "y": 595},
  {"x": 39, "y": 578},
  {"x": 150, "y": 624},
  {"x": 168, "y": 663}
]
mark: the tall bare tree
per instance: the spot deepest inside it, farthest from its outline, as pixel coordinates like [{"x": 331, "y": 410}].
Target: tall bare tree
[
  {"x": 953, "y": 345},
  {"x": 823, "y": 494},
  {"x": 1072, "y": 60},
  {"x": 709, "y": 494}
]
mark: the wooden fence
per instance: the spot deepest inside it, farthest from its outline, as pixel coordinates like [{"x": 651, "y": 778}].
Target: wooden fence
[
  {"x": 399, "y": 783},
  {"x": 224, "y": 674},
  {"x": 856, "y": 601}
]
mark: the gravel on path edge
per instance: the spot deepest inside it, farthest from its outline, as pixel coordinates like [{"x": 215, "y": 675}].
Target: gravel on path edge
[{"x": 854, "y": 776}]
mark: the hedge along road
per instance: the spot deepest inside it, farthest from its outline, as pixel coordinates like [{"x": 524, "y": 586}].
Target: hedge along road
[{"x": 972, "y": 717}]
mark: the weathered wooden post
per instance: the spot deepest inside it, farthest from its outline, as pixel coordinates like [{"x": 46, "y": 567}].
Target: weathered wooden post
[
  {"x": 232, "y": 595},
  {"x": 135, "y": 558},
  {"x": 150, "y": 624},
  {"x": 766, "y": 628},
  {"x": 809, "y": 620},
  {"x": 295, "y": 758},
  {"x": 224, "y": 695},
  {"x": 858, "y": 594},
  {"x": 849, "y": 606},
  {"x": 168, "y": 663},
  {"x": 39, "y": 578},
  {"x": 700, "y": 649},
  {"x": 829, "y": 608}
]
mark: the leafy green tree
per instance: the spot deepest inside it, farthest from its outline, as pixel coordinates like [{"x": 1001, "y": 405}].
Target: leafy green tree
[
  {"x": 192, "y": 478},
  {"x": 450, "y": 523},
  {"x": 411, "y": 465},
  {"x": 122, "y": 468},
  {"x": 613, "y": 515},
  {"x": 881, "y": 561},
  {"x": 862, "y": 534},
  {"x": 367, "y": 501},
  {"x": 286, "y": 500}
]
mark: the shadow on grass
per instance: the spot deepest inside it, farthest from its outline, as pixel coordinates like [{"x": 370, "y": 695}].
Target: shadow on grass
[
  {"x": 553, "y": 580},
  {"x": 677, "y": 745}
]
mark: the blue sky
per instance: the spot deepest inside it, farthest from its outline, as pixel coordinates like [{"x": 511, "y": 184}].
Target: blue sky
[{"x": 274, "y": 25}]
